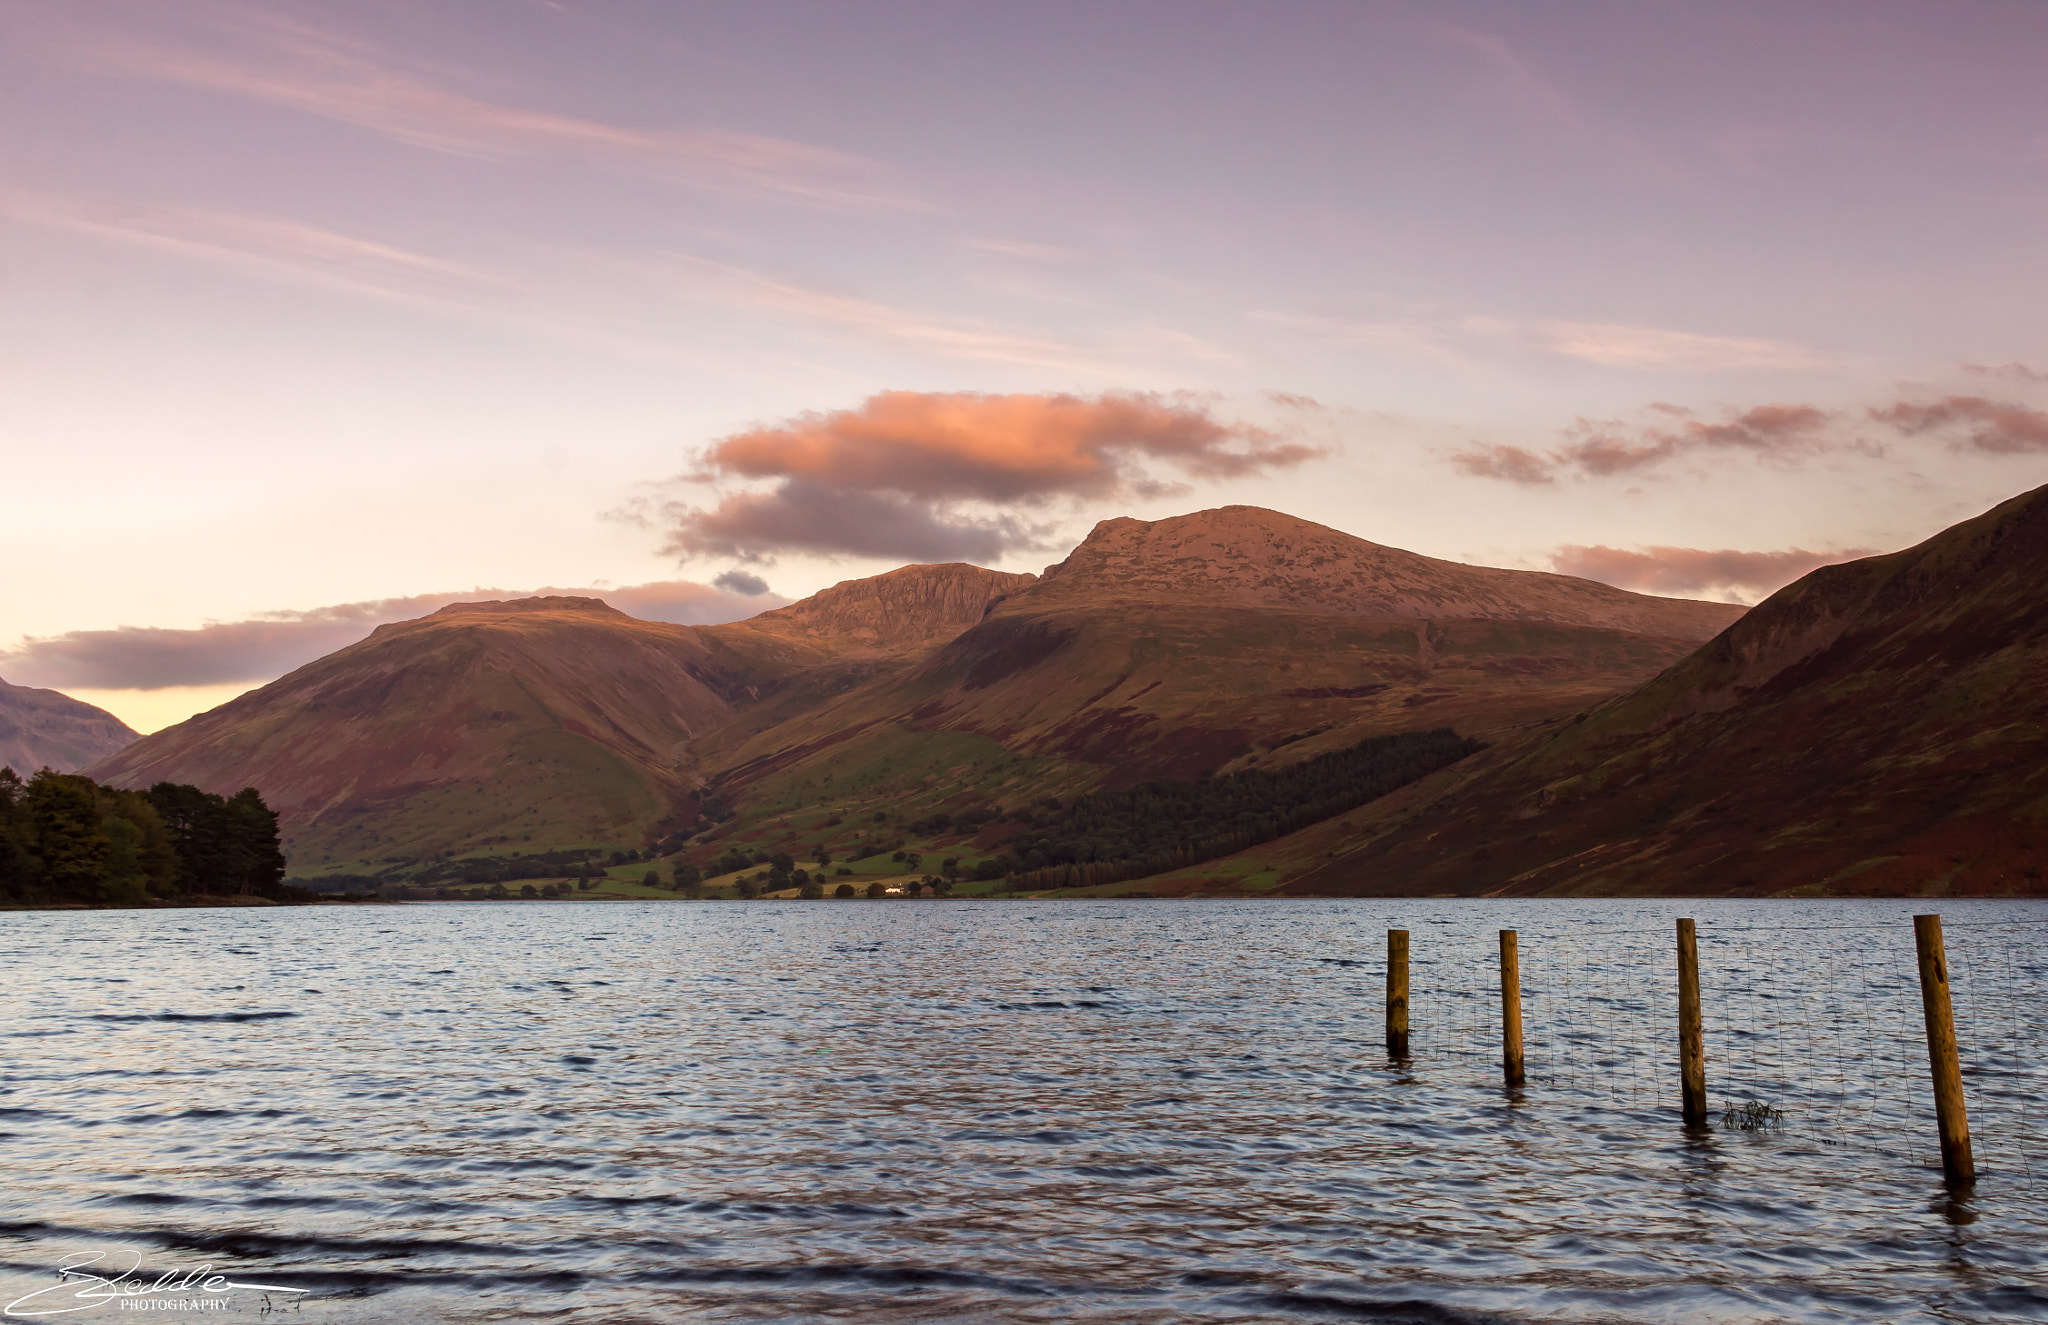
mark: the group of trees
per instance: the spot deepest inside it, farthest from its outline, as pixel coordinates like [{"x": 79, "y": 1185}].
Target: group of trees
[
  {"x": 1108, "y": 836},
  {"x": 65, "y": 839}
]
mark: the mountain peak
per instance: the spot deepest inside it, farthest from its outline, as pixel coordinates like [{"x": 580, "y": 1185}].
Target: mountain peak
[{"x": 1253, "y": 556}]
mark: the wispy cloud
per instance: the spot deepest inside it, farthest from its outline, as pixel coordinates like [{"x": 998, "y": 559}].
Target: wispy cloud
[
  {"x": 937, "y": 476},
  {"x": 1687, "y": 570},
  {"x": 1659, "y": 349},
  {"x": 1541, "y": 103},
  {"x": 929, "y": 333},
  {"x": 265, "y": 56},
  {"x": 1021, "y": 250},
  {"x": 266, "y": 246},
  {"x": 1467, "y": 341},
  {"x": 270, "y": 644},
  {"x": 2018, "y": 372}
]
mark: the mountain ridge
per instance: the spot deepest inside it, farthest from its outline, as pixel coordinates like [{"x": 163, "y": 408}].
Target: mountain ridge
[
  {"x": 1149, "y": 651},
  {"x": 48, "y": 728},
  {"x": 1876, "y": 726}
]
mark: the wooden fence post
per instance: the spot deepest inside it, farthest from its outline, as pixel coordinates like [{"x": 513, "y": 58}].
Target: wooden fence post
[
  {"x": 1510, "y": 1009},
  {"x": 1692, "y": 1050},
  {"x": 1397, "y": 992},
  {"x": 1957, "y": 1164}
]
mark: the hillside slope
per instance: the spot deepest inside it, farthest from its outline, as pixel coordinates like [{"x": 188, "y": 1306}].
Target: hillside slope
[
  {"x": 544, "y": 720},
  {"x": 1232, "y": 638},
  {"x": 1878, "y": 727},
  {"x": 40, "y": 728},
  {"x": 539, "y": 723}
]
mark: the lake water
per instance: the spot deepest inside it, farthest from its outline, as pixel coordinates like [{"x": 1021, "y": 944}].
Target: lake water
[{"x": 1011, "y": 1111}]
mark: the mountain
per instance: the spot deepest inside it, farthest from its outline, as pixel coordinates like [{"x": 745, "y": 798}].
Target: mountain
[
  {"x": 1226, "y": 639},
  {"x": 1235, "y": 639},
  {"x": 41, "y": 728},
  {"x": 902, "y": 613},
  {"x": 1252, "y": 557},
  {"x": 542, "y": 720},
  {"x": 533, "y": 724},
  {"x": 1878, "y": 727}
]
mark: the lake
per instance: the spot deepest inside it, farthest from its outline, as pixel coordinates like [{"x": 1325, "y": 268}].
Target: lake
[{"x": 1128, "y": 1111}]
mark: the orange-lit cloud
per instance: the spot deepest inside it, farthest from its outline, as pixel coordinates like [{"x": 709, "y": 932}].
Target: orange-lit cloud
[
  {"x": 269, "y": 645},
  {"x": 885, "y": 479},
  {"x": 1687, "y": 570},
  {"x": 1998, "y": 426}
]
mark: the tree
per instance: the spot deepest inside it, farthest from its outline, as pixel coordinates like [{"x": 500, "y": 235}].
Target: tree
[
  {"x": 653, "y": 879},
  {"x": 256, "y": 847},
  {"x": 844, "y": 890},
  {"x": 64, "y": 810},
  {"x": 528, "y": 890},
  {"x": 812, "y": 888},
  {"x": 748, "y": 886},
  {"x": 20, "y": 869},
  {"x": 689, "y": 880},
  {"x": 876, "y": 889},
  {"x": 824, "y": 858},
  {"x": 950, "y": 867}
]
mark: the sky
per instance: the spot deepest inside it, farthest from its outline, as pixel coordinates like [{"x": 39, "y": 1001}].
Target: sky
[{"x": 318, "y": 315}]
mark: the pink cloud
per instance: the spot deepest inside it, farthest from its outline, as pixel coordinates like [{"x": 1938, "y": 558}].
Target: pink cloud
[
  {"x": 1684, "y": 570},
  {"x": 1605, "y": 448},
  {"x": 883, "y": 479},
  {"x": 1996, "y": 426},
  {"x": 1512, "y": 463}
]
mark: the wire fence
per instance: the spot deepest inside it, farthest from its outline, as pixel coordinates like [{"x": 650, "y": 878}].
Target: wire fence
[{"x": 1826, "y": 1041}]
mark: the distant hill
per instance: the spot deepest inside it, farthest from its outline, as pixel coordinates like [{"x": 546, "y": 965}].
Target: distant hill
[
  {"x": 543, "y": 720},
  {"x": 1877, "y": 727},
  {"x": 45, "y": 728},
  {"x": 535, "y": 723}
]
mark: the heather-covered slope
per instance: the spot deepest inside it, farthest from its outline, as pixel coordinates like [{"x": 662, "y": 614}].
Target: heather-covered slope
[
  {"x": 46, "y": 728},
  {"x": 1879, "y": 726},
  {"x": 540, "y": 723},
  {"x": 548, "y": 721},
  {"x": 904, "y": 613},
  {"x": 1225, "y": 639}
]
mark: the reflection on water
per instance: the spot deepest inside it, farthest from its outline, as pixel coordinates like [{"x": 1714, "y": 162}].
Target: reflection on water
[{"x": 1096, "y": 1111}]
